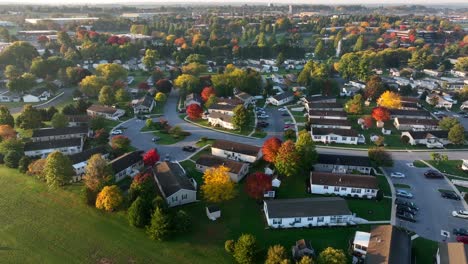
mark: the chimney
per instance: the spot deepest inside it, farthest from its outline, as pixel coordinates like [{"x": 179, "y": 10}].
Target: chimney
[{"x": 339, "y": 179}]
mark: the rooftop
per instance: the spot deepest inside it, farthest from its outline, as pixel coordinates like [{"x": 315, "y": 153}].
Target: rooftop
[
  {"x": 85, "y": 155},
  {"x": 327, "y": 113},
  {"x": 126, "y": 160},
  {"x": 344, "y": 160},
  {"x": 102, "y": 109},
  {"x": 236, "y": 147},
  {"x": 47, "y": 132},
  {"x": 334, "y": 131},
  {"x": 172, "y": 178},
  {"x": 428, "y": 134},
  {"x": 388, "y": 244},
  {"x": 307, "y": 207},
  {"x": 345, "y": 180},
  {"x": 214, "y": 161},
  {"x": 453, "y": 253},
  {"x": 53, "y": 144}
]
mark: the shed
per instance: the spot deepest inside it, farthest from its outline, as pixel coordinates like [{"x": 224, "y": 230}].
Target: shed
[{"x": 213, "y": 212}]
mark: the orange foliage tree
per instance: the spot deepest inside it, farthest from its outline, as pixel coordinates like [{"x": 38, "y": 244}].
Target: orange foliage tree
[
  {"x": 270, "y": 149},
  {"x": 381, "y": 114},
  {"x": 7, "y": 132},
  {"x": 194, "y": 111},
  {"x": 207, "y": 92},
  {"x": 257, "y": 184}
]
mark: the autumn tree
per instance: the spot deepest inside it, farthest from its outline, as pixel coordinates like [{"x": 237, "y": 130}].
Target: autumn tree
[
  {"x": 257, "y": 184},
  {"x": 245, "y": 249},
  {"x": 194, "y": 111},
  {"x": 207, "y": 92},
  {"x": 380, "y": 157},
  {"x": 305, "y": 147},
  {"x": 98, "y": 173},
  {"x": 381, "y": 114},
  {"x": 121, "y": 96},
  {"x": 305, "y": 260},
  {"x": 111, "y": 72},
  {"x": 120, "y": 143},
  {"x": 91, "y": 85},
  {"x": 109, "y": 198},
  {"x": 447, "y": 123},
  {"x": 217, "y": 185},
  {"x": 5, "y": 117},
  {"x": 187, "y": 83},
  {"x": 164, "y": 86},
  {"x": 106, "y": 95},
  {"x": 211, "y": 101},
  {"x": 160, "y": 226},
  {"x": 151, "y": 157},
  {"x": 354, "y": 105},
  {"x": 59, "y": 120},
  {"x": 160, "y": 97},
  {"x": 58, "y": 169},
  {"x": 367, "y": 121},
  {"x": 7, "y": 132},
  {"x": 240, "y": 120},
  {"x": 331, "y": 255},
  {"x": 149, "y": 60},
  {"x": 287, "y": 159},
  {"x": 277, "y": 255},
  {"x": 142, "y": 186},
  {"x": 270, "y": 149},
  {"x": 457, "y": 134},
  {"x": 389, "y": 100},
  {"x": 374, "y": 88}
]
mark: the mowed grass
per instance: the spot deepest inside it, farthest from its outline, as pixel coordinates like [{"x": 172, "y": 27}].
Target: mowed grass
[
  {"x": 39, "y": 225},
  {"x": 452, "y": 167}
]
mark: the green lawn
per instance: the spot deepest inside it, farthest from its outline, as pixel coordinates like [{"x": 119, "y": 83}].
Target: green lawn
[
  {"x": 383, "y": 185},
  {"x": 203, "y": 142},
  {"x": 167, "y": 139},
  {"x": 401, "y": 186},
  {"x": 419, "y": 164},
  {"x": 450, "y": 167},
  {"x": 424, "y": 250},
  {"x": 371, "y": 210}
]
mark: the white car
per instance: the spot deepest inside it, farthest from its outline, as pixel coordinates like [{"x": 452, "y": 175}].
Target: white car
[
  {"x": 460, "y": 213},
  {"x": 116, "y": 132},
  {"x": 264, "y": 116},
  {"x": 397, "y": 175},
  {"x": 404, "y": 194},
  {"x": 281, "y": 109}
]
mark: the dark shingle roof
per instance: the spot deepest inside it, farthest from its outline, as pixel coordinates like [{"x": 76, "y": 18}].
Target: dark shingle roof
[
  {"x": 319, "y": 98},
  {"x": 47, "y": 132},
  {"x": 53, "y": 144},
  {"x": 85, "y": 155},
  {"x": 102, "y": 109},
  {"x": 224, "y": 107},
  {"x": 336, "y": 122},
  {"x": 307, "y": 207},
  {"x": 327, "y": 113},
  {"x": 344, "y": 160},
  {"x": 345, "y": 180},
  {"x": 172, "y": 178},
  {"x": 236, "y": 147},
  {"x": 282, "y": 96},
  {"x": 146, "y": 101},
  {"x": 214, "y": 161},
  {"x": 335, "y": 131},
  {"x": 388, "y": 244},
  {"x": 319, "y": 105},
  {"x": 78, "y": 118},
  {"x": 428, "y": 134},
  {"x": 416, "y": 121},
  {"x": 243, "y": 96},
  {"x": 126, "y": 160},
  {"x": 401, "y": 112}
]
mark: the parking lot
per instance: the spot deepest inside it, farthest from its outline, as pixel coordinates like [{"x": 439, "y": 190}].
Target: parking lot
[
  {"x": 276, "y": 122},
  {"x": 435, "y": 213}
]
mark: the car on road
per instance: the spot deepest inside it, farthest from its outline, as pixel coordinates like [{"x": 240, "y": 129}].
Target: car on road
[
  {"x": 116, "y": 132},
  {"x": 433, "y": 174},
  {"x": 287, "y": 126},
  {"x": 397, "y": 175},
  {"x": 259, "y": 109},
  {"x": 263, "y": 116},
  {"x": 403, "y": 193},
  {"x": 402, "y": 208},
  {"x": 460, "y": 232},
  {"x": 263, "y": 124},
  {"x": 460, "y": 214},
  {"x": 282, "y": 109},
  {"x": 450, "y": 195},
  {"x": 154, "y": 139},
  {"x": 462, "y": 239},
  {"x": 167, "y": 158},
  {"x": 465, "y": 115},
  {"x": 284, "y": 114},
  {"x": 438, "y": 113},
  {"x": 406, "y": 203},
  {"x": 189, "y": 148},
  {"x": 405, "y": 216}
]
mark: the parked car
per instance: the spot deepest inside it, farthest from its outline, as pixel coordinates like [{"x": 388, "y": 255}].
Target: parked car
[
  {"x": 403, "y": 208},
  {"x": 264, "y": 116},
  {"x": 462, "y": 239},
  {"x": 406, "y": 203},
  {"x": 116, "y": 132},
  {"x": 154, "y": 139},
  {"x": 167, "y": 158},
  {"x": 405, "y": 216},
  {"x": 433, "y": 174},
  {"x": 287, "y": 126},
  {"x": 284, "y": 114},
  {"x": 263, "y": 124},
  {"x": 182, "y": 111},
  {"x": 460, "y": 214},
  {"x": 450, "y": 195},
  {"x": 189, "y": 148},
  {"x": 460, "y": 232},
  {"x": 259, "y": 108},
  {"x": 465, "y": 115},
  {"x": 397, "y": 175},
  {"x": 404, "y": 193},
  {"x": 282, "y": 109}
]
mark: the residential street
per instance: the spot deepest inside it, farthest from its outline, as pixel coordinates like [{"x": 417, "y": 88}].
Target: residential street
[{"x": 67, "y": 94}]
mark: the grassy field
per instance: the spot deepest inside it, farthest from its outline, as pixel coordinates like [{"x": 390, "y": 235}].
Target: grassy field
[
  {"x": 401, "y": 186},
  {"x": 450, "y": 167},
  {"x": 424, "y": 250},
  {"x": 167, "y": 139},
  {"x": 419, "y": 164}
]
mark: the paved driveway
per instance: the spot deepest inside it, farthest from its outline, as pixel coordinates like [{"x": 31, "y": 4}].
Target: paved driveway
[{"x": 434, "y": 214}]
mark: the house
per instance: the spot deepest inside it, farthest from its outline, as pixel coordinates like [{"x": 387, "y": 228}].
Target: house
[
  {"x": 323, "y": 106},
  {"x": 330, "y": 123},
  {"x": 318, "y": 114},
  {"x": 384, "y": 244},
  {"x": 343, "y": 164},
  {"x": 348, "y": 90},
  {"x": 37, "y": 95},
  {"x": 432, "y": 73},
  {"x": 442, "y": 101},
  {"x": 464, "y": 105},
  {"x": 418, "y": 114},
  {"x": 48, "y": 134},
  {"x": 128, "y": 164},
  {"x": 236, "y": 151},
  {"x": 9, "y": 97},
  {"x": 220, "y": 119},
  {"x": 409, "y": 103},
  {"x": 237, "y": 170},
  {"x": 333, "y": 135},
  {"x": 225, "y": 107},
  {"x": 143, "y": 105},
  {"x": 281, "y": 99},
  {"x": 318, "y": 99},
  {"x": 452, "y": 253},
  {"x": 80, "y": 160},
  {"x": 105, "y": 111},
  {"x": 174, "y": 185},
  {"x": 302, "y": 248},
  {"x": 307, "y": 212},
  {"x": 245, "y": 98},
  {"x": 432, "y": 139},
  {"x": 43, "y": 148},
  {"x": 78, "y": 120},
  {"x": 416, "y": 124},
  {"x": 362, "y": 186},
  {"x": 193, "y": 98},
  {"x": 465, "y": 165}
]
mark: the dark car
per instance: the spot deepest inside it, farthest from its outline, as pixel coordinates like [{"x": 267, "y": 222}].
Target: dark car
[
  {"x": 433, "y": 174},
  {"x": 460, "y": 232},
  {"x": 154, "y": 139},
  {"x": 465, "y": 115},
  {"x": 405, "y": 209},
  {"x": 405, "y": 216},
  {"x": 406, "y": 203},
  {"x": 285, "y": 114},
  {"x": 450, "y": 195},
  {"x": 262, "y": 124},
  {"x": 189, "y": 148},
  {"x": 462, "y": 239},
  {"x": 182, "y": 111}
]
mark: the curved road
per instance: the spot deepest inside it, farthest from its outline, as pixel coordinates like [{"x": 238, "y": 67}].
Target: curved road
[{"x": 67, "y": 93}]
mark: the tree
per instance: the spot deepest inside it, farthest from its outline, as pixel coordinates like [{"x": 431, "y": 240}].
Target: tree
[
  {"x": 257, "y": 184},
  {"x": 287, "y": 160},
  {"x": 187, "y": 83},
  {"x": 142, "y": 186},
  {"x": 11, "y": 144},
  {"x": 367, "y": 122},
  {"x": 245, "y": 249},
  {"x": 277, "y": 255},
  {"x": 120, "y": 143},
  {"x": 91, "y": 85},
  {"x": 270, "y": 149},
  {"x": 380, "y": 157},
  {"x": 122, "y": 96},
  {"x": 359, "y": 43},
  {"x": 151, "y": 157},
  {"x": 389, "y": 100},
  {"x": 36, "y": 168},
  {"x": 447, "y": 123},
  {"x": 19, "y": 54},
  {"x": 160, "y": 97},
  {"x": 229, "y": 246},
  {"x": 58, "y": 169},
  {"x": 59, "y": 120},
  {"x": 457, "y": 134},
  {"x": 331, "y": 255},
  {"x": 106, "y": 95},
  {"x": 462, "y": 64},
  {"x": 194, "y": 68},
  {"x": 355, "y": 105},
  {"x": 374, "y": 88},
  {"x": 5, "y": 117},
  {"x": 207, "y": 92},
  {"x": 149, "y": 60},
  {"x": 194, "y": 111},
  {"x": 22, "y": 84},
  {"x": 138, "y": 214},
  {"x": 305, "y": 146},
  {"x": 305, "y": 260},
  {"x": 280, "y": 59},
  {"x": 240, "y": 120},
  {"x": 381, "y": 114},
  {"x": 109, "y": 198},
  {"x": 12, "y": 159},
  {"x": 437, "y": 157},
  {"x": 111, "y": 72},
  {"x": 160, "y": 226},
  {"x": 320, "y": 52},
  {"x": 217, "y": 185},
  {"x": 23, "y": 164},
  {"x": 164, "y": 86},
  {"x": 211, "y": 101},
  {"x": 7, "y": 132},
  {"x": 182, "y": 222},
  {"x": 12, "y": 72},
  {"x": 98, "y": 173}
]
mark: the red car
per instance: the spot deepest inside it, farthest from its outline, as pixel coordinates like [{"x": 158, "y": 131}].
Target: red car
[{"x": 462, "y": 239}]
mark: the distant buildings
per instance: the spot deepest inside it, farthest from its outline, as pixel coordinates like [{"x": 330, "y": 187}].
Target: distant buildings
[{"x": 60, "y": 20}]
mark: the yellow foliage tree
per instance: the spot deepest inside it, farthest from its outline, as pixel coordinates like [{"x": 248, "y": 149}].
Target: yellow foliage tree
[
  {"x": 217, "y": 186},
  {"x": 109, "y": 198},
  {"x": 389, "y": 100}
]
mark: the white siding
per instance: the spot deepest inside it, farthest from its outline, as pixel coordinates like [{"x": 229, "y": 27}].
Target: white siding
[
  {"x": 181, "y": 197},
  {"x": 234, "y": 155},
  {"x": 343, "y": 191}
]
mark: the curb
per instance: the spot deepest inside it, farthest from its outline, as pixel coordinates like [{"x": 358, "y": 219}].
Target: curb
[{"x": 392, "y": 189}]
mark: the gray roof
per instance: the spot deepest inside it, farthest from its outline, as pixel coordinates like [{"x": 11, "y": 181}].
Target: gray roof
[
  {"x": 307, "y": 207},
  {"x": 428, "y": 134},
  {"x": 224, "y": 117},
  {"x": 401, "y": 112},
  {"x": 48, "y": 132},
  {"x": 85, "y": 155},
  {"x": 327, "y": 113},
  {"x": 344, "y": 180},
  {"x": 282, "y": 96},
  {"x": 236, "y": 147},
  {"x": 126, "y": 160},
  {"x": 171, "y": 177},
  {"x": 329, "y": 122},
  {"x": 145, "y": 101},
  {"x": 344, "y": 160},
  {"x": 214, "y": 161},
  {"x": 52, "y": 144},
  {"x": 222, "y": 106}
]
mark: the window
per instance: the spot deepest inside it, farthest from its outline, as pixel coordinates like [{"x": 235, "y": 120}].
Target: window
[
  {"x": 333, "y": 138},
  {"x": 297, "y": 219},
  {"x": 184, "y": 196},
  {"x": 277, "y": 221},
  {"x": 343, "y": 138},
  {"x": 344, "y": 188},
  {"x": 337, "y": 189},
  {"x": 175, "y": 199},
  {"x": 320, "y": 219},
  {"x": 354, "y": 190},
  {"x": 310, "y": 219},
  {"x": 325, "y": 187}
]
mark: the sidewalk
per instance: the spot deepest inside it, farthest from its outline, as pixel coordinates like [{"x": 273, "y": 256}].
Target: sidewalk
[{"x": 392, "y": 189}]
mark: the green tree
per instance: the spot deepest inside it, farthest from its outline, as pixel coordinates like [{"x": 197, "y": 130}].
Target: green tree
[
  {"x": 287, "y": 160},
  {"x": 354, "y": 105},
  {"x": 240, "y": 120},
  {"x": 280, "y": 59},
  {"x": 331, "y": 255},
  {"x": 12, "y": 159},
  {"x": 5, "y": 117},
  {"x": 58, "y": 169},
  {"x": 305, "y": 260},
  {"x": 187, "y": 83},
  {"x": 245, "y": 249},
  {"x": 380, "y": 157},
  {"x": 111, "y": 72},
  {"x": 23, "y": 164},
  {"x": 359, "y": 44},
  {"x": 277, "y": 255},
  {"x": 11, "y": 72},
  {"x": 121, "y": 96},
  {"x": 211, "y": 101},
  {"x": 138, "y": 214},
  {"x": 106, "y": 95},
  {"x": 160, "y": 97},
  {"x": 149, "y": 60},
  {"x": 182, "y": 222},
  {"x": 160, "y": 226},
  {"x": 320, "y": 52},
  {"x": 457, "y": 134},
  {"x": 98, "y": 173},
  {"x": 30, "y": 118},
  {"x": 19, "y": 54},
  {"x": 448, "y": 122},
  {"x": 59, "y": 120},
  {"x": 91, "y": 85},
  {"x": 305, "y": 146},
  {"x": 261, "y": 40},
  {"x": 11, "y": 144},
  {"x": 229, "y": 246},
  {"x": 462, "y": 64},
  {"x": 22, "y": 84}
]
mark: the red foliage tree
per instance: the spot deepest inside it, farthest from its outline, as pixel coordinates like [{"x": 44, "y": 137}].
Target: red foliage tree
[
  {"x": 164, "y": 86},
  {"x": 257, "y": 184},
  {"x": 122, "y": 41},
  {"x": 381, "y": 114},
  {"x": 368, "y": 122},
  {"x": 179, "y": 42},
  {"x": 151, "y": 157},
  {"x": 194, "y": 111},
  {"x": 141, "y": 178},
  {"x": 207, "y": 92},
  {"x": 143, "y": 85},
  {"x": 93, "y": 34},
  {"x": 113, "y": 40},
  {"x": 42, "y": 39},
  {"x": 270, "y": 149}
]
